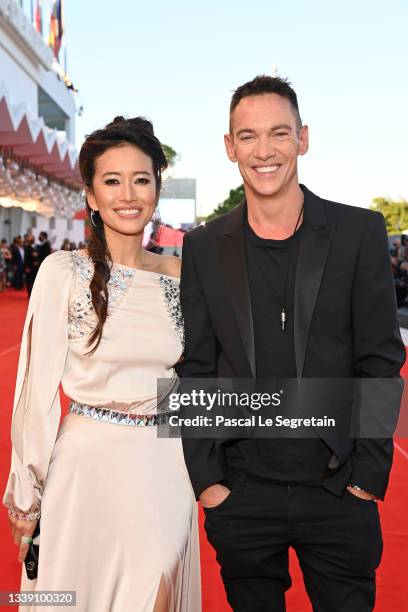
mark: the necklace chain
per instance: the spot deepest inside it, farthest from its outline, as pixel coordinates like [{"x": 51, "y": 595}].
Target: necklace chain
[
  {"x": 297, "y": 222},
  {"x": 283, "y": 312},
  {"x": 283, "y": 308}
]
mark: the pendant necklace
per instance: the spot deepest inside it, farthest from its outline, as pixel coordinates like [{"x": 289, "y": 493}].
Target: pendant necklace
[{"x": 283, "y": 307}]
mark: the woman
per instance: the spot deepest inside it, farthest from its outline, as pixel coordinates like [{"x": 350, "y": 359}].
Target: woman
[
  {"x": 8, "y": 264},
  {"x": 2, "y": 271},
  {"x": 118, "y": 514}
]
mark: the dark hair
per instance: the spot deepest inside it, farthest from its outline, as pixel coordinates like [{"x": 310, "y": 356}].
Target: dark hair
[
  {"x": 138, "y": 132},
  {"x": 264, "y": 84}
]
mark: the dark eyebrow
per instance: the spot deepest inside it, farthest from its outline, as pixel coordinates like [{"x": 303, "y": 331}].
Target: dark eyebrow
[
  {"x": 281, "y": 126},
  {"x": 137, "y": 172}
]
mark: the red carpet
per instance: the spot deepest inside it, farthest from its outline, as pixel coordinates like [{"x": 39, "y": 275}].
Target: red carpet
[{"x": 392, "y": 594}]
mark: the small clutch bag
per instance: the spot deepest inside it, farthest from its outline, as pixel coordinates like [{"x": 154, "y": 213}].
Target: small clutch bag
[{"x": 31, "y": 560}]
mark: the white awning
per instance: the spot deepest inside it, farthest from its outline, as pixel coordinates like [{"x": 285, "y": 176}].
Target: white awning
[{"x": 31, "y": 140}]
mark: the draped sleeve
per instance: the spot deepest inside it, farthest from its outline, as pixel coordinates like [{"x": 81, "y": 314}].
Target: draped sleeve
[{"x": 36, "y": 409}]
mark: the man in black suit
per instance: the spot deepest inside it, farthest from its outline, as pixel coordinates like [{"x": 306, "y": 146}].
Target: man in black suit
[
  {"x": 17, "y": 252},
  {"x": 30, "y": 261},
  {"x": 289, "y": 286},
  {"x": 43, "y": 248}
]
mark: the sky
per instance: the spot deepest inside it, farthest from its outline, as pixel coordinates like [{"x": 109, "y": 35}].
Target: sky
[{"x": 179, "y": 62}]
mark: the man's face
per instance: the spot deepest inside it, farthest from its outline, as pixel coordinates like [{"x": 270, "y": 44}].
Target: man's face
[{"x": 265, "y": 141}]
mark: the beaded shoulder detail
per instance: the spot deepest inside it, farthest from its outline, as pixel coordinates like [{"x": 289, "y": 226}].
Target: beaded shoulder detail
[
  {"x": 171, "y": 294},
  {"x": 81, "y": 316}
]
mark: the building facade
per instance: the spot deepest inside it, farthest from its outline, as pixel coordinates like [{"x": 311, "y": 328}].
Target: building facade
[{"x": 40, "y": 186}]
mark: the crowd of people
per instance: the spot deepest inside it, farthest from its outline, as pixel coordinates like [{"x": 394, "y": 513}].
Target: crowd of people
[
  {"x": 21, "y": 260},
  {"x": 399, "y": 261}
]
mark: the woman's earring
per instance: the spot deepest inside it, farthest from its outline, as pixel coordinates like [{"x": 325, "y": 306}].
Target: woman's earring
[{"x": 93, "y": 212}]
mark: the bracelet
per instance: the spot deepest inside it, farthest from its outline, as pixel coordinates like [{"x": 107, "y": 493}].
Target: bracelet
[
  {"x": 25, "y": 516},
  {"x": 353, "y": 486}
]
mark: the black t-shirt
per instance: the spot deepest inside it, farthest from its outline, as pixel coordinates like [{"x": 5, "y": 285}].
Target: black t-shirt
[{"x": 271, "y": 266}]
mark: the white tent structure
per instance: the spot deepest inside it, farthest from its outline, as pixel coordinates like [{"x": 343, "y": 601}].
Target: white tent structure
[{"x": 39, "y": 177}]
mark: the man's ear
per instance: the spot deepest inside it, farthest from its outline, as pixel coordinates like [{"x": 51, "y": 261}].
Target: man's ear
[
  {"x": 303, "y": 140},
  {"x": 90, "y": 198},
  {"x": 229, "y": 147}
]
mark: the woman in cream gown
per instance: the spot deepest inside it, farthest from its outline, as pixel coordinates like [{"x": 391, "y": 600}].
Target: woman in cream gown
[{"x": 118, "y": 514}]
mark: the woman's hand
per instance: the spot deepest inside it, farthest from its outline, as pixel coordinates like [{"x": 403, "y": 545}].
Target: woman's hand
[{"x": 21, "y": 528}]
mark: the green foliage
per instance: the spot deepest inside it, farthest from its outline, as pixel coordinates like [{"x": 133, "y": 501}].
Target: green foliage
[
  {"x": 171, "y": 154},
  {"x": 395, "y": 213},
  {"x": 235, "y": 197}
]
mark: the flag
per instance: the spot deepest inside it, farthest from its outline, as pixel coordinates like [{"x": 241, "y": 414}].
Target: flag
[
  {"x": 38, "y": 17},
  {"x": 60, "y": 18},
  {"x": 56, "y": 27}
]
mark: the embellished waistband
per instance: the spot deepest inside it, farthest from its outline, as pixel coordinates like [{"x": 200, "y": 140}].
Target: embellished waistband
[{"x": 112, "y": 416}]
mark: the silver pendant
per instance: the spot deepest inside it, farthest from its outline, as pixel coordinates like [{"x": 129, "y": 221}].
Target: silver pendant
[{"x": 283, "y": 318}]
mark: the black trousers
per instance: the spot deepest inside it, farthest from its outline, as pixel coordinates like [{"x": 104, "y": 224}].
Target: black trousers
[
  {"x": 337, "y": 540},
  {"x": 29, "y": 279},
  {"x": 18, "y": 278}
]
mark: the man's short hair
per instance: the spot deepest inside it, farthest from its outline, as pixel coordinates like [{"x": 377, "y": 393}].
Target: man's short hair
[{"x": 263, "y": 84}]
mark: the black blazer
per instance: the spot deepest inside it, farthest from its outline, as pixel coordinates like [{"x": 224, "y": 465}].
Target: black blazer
[
  {"x": 345, "y": 324},
  {"x": 16, "y": 256}
]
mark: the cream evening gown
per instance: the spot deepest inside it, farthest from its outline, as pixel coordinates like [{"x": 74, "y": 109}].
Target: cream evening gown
[{"x": 118, "y": 511}]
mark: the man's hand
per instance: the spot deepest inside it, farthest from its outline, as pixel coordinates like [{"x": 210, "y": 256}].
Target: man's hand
[
  {"x": 214, "y": 496},
  {"x": 360, "y": 493},
  {"x": 18, "y": 529}
]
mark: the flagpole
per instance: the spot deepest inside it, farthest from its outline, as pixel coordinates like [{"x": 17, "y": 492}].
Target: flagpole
[{"x": 64, "y": 35}]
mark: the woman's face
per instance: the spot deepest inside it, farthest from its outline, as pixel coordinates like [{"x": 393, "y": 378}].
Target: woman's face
[{"x": 123, "y": 189}]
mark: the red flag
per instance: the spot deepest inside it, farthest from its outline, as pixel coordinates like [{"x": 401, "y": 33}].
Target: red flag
[{"x": 38, "y": 17}]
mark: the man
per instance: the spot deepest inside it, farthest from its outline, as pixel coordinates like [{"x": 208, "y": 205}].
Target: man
[
  {"x": 8, "y": 262},
  {"x": 30, "y": 261},
  {"x": 43, "y": 248},
  {"x": 290, "y": 286},
  {"x": 17, "y": 252}
]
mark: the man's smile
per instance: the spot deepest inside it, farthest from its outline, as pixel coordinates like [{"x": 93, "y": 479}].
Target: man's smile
[{"x": 266, "y": 169}]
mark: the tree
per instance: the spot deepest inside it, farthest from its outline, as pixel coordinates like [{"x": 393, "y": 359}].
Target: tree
[
  {"x": 171, "y": 154},
  {"x": 235, "y": 197},
  {"x": 395, "y": 213}
]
